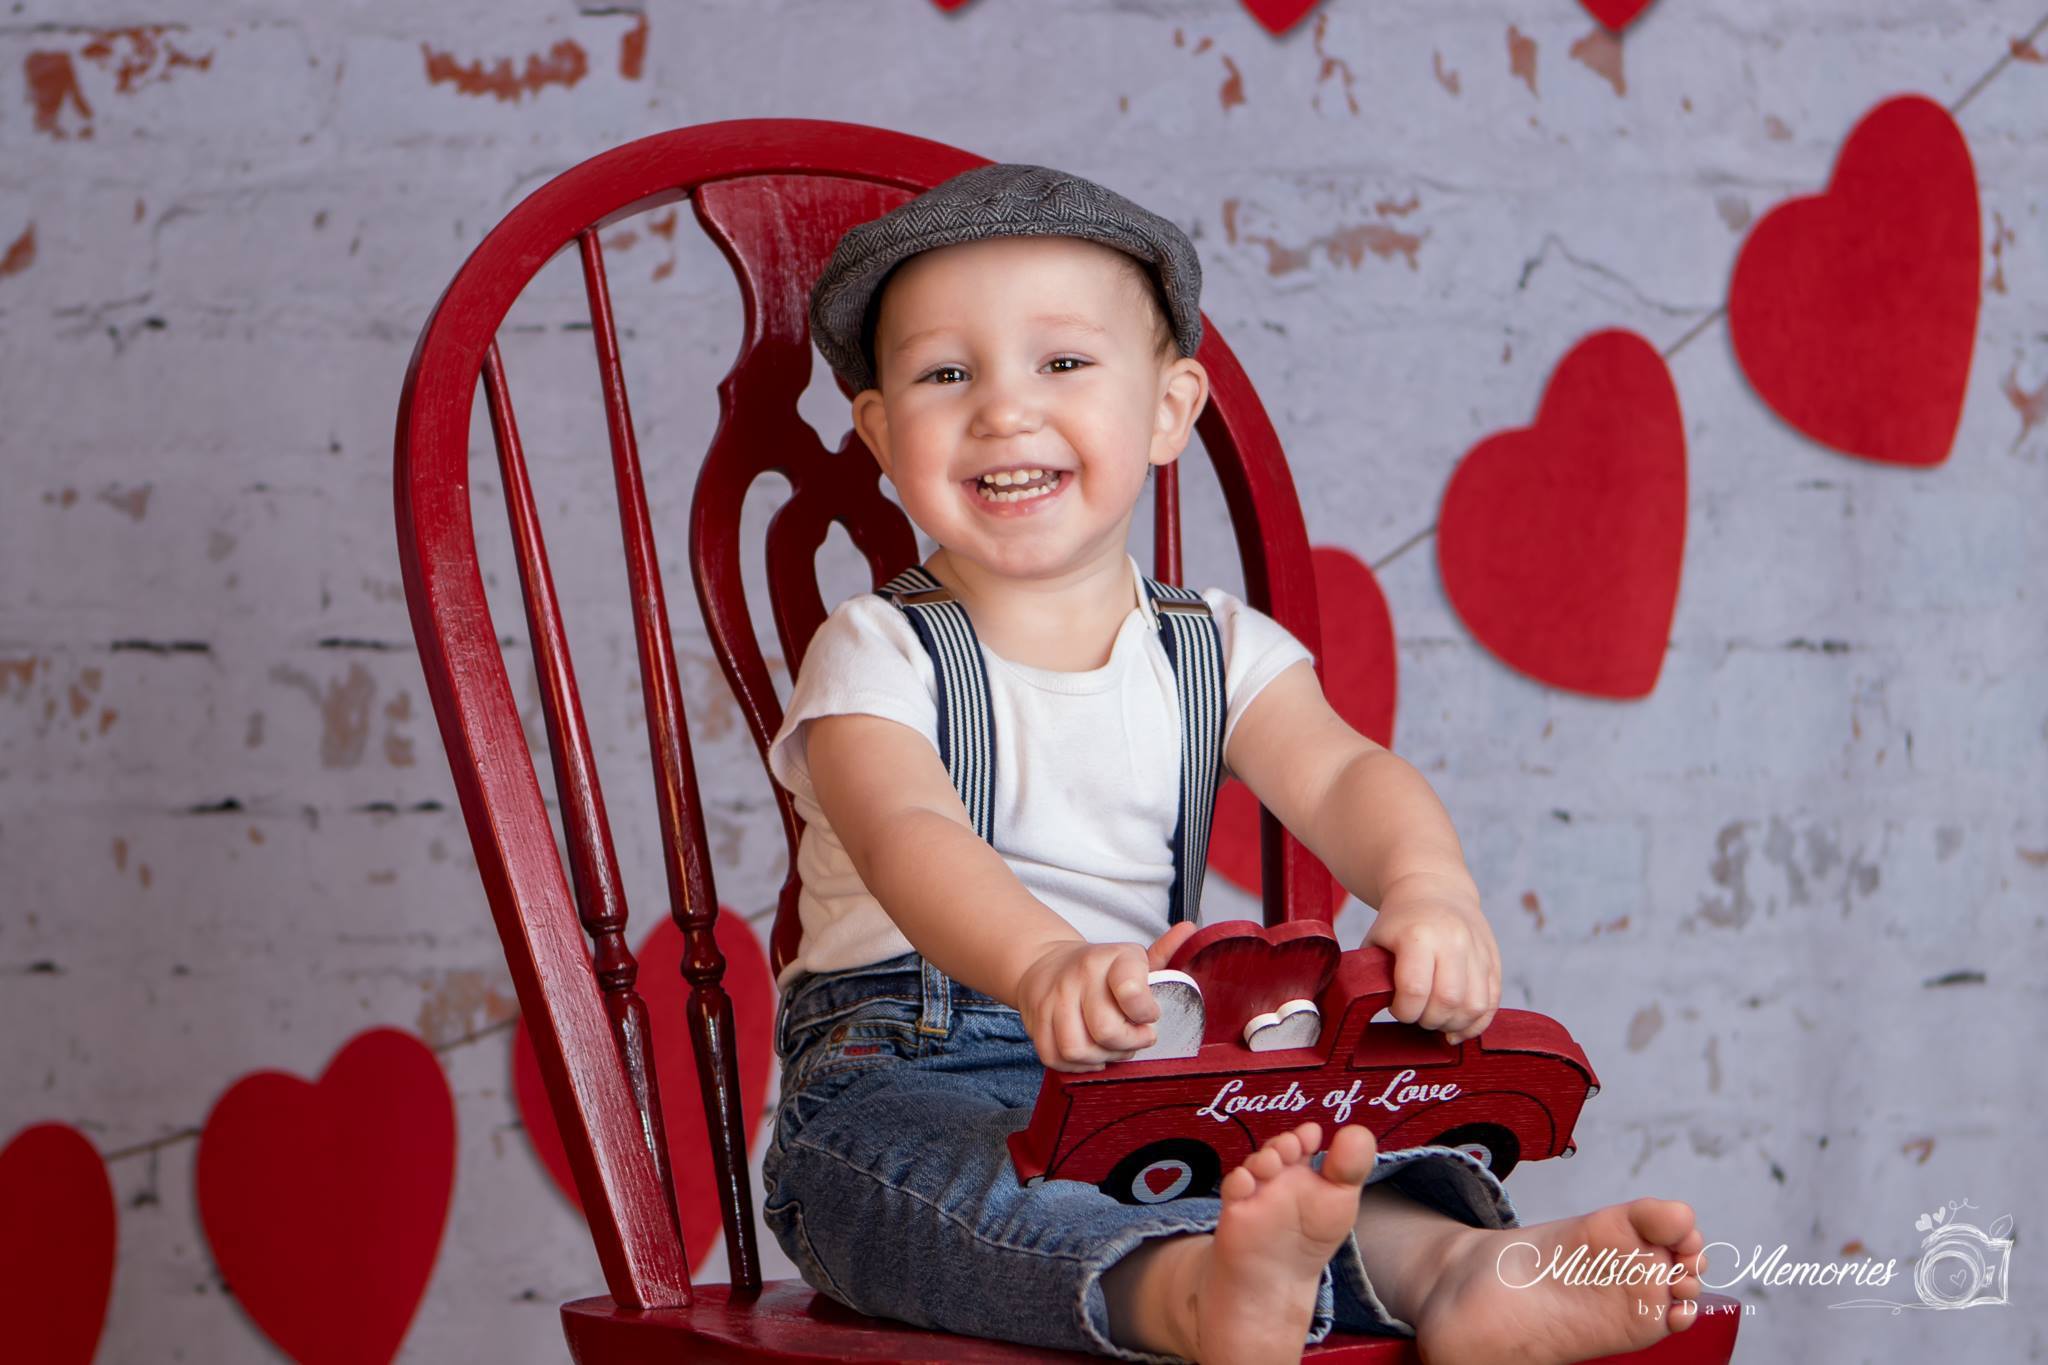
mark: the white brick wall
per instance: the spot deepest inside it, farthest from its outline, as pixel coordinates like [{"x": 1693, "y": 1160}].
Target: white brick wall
[{"x": 228, "y": 839}]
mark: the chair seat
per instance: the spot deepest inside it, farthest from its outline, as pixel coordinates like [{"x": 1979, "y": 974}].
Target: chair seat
[{"x": 790, "y": 1321}]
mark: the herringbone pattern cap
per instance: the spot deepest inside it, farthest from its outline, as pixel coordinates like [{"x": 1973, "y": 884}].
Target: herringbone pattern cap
[{"x": 994, "y": 201}]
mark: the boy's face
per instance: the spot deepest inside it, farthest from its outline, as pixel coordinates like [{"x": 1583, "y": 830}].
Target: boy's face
[{"x": 1023, "y": 353}]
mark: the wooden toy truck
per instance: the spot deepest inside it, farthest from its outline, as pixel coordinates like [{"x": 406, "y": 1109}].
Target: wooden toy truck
[{"x": 1159, "y": 1127}]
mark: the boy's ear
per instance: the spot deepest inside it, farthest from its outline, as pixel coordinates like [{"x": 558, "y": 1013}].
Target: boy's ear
[
  {"x": 871, "y": 420},
  {"x": 1186, "y": 394}
]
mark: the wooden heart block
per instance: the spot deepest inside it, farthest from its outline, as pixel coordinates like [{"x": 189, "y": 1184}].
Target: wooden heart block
[
  {"x": 324, "y": 1202},
  {"x": 1246, "y": 970},
  {"x": 56, "y": 1245}
]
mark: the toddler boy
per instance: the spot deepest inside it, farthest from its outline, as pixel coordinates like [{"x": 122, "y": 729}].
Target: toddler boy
[{"x": 1021, "y": 343}]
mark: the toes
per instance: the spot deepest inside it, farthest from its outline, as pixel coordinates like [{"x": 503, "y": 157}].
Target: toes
[
  {"x": 1287, "y": 1146},
  {"x": 1311, "y": 1135},
  {"x": 1264, "y": 1164},
  {"x": 1239, "y": 1184},
  {"x": 1664, "y": 1222},
  {"x": 1351, "y": 1155}
]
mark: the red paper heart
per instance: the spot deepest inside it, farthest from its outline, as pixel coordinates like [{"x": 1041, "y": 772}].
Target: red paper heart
[
  {"x": 752, "y": 988},
  {"x": 1616, "y": 14},
  {"x": 1560, "y": 543},
  {"x": 56, "y": 1244},
  {"x": 1358, "y": 673},
  {"x": 324, "y": 1203},
  {"x": 1279, "y": 15},
  {"x": 1246, "y": 969},
  {"x": 1853, "y": 313}
]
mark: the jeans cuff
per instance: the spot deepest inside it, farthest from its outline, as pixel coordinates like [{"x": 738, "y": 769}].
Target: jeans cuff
[
  {"x": 1092, "y": 1306},
  {"x": 1450, "y": 1182}
]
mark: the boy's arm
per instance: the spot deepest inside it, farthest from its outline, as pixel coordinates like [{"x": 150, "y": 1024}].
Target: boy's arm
[
  {"x": 1377, "y": 825},
  {"x": 895, "y": 811},
  {"x": 1367, "y": 813}
]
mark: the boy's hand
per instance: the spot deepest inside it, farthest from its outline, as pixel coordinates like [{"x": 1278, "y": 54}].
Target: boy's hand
[
  {"x": 1446, "y": 962},
  {"x": 1087, "y": 1004}
]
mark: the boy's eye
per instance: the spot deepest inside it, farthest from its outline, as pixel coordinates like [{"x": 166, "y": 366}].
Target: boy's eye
[{"x": 1075, "y": 361}]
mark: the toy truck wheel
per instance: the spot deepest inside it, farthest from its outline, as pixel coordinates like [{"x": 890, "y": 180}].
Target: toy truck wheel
[
  {"x": 1490, "y": 1142},
  {"x": 1164, "y": 1170}
]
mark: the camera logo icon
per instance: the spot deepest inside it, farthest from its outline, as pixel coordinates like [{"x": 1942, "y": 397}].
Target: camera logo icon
[{"x": 1961, "y": 1265}]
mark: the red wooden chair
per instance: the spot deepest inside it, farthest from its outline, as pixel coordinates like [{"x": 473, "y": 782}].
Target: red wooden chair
[{"x": 774, "y": 194}]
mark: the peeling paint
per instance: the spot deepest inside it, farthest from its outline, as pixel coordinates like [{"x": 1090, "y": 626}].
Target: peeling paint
[
  {"x": 1713, "y": 1056},
  {"x": 1522, "y": 57},
  {"x": 633, "y": 49},
  {"x": 1920, "y": 1149},
  {"x": 565, "y": 64},
  {"x": 2000, "y": 236},
  {"x": 1328, "y": 66},
  {"x": 1232, "y": 90},
  {"x": 133, "y": 501},
  {"x": 1734, "y": 211},
  {"x": 1347, "y": 244},
  {"x": 1644, "y": 1026},
  {"x": 1600, "y": 53},
  {"x": 1534, "y": 906},
  {"x": 16, "y": 671},
  {"x": 344, "y": 711},
  {"x": 140, "y": 55},
  {"x": 1448, "y": 79},
  {"x": 2030, "y": 404},
  {"x": 461, "y": 1003},
  {"x": 1729, "y": 870},
  {"x": 20, "y": 254},
  {"x": 398, "y": 750},
  {"x": 52, "y": 86}
]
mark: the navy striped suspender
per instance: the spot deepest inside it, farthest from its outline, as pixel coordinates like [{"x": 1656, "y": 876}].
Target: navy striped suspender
[
  {"x": 967, "y": 726},
  {"x": 1193, "y": 645}
]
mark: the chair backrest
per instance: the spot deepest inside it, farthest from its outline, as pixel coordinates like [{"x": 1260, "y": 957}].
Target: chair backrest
[{"x": 775, "y": 195}]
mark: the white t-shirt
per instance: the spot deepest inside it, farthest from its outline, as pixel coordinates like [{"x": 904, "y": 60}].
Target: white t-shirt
[{"x": 1087, "y": 767}]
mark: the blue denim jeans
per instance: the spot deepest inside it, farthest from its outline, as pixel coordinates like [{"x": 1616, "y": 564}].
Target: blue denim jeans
[{"x": 890, "y": 1186}]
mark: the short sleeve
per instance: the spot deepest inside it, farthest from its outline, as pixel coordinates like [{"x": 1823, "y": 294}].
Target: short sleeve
[
  {"x": 1256, "y": 650},
  {"x": 865, "y": 659}
]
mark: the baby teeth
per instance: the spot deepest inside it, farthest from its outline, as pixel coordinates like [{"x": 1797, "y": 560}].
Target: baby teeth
[{"x": 988, "y": 496}]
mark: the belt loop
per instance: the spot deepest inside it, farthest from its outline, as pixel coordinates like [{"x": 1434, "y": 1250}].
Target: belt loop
[{"x": 937, "y": 1015}]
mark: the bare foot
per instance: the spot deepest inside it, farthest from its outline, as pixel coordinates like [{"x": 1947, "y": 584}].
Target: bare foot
[
  {"x": 1254, "y": 1292},
  {"x": 1503, "y": 1300}
]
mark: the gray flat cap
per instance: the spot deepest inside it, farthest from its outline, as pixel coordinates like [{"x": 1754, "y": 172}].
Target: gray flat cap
[{"x": 993, "y": 201}]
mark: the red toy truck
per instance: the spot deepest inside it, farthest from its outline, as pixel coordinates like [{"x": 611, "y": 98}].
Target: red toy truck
[{"x": 1147, "y": 1131}]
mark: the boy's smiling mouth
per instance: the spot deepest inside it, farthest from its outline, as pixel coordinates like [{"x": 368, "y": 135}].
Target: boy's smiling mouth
[{"x": 1016, "y": 491}]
